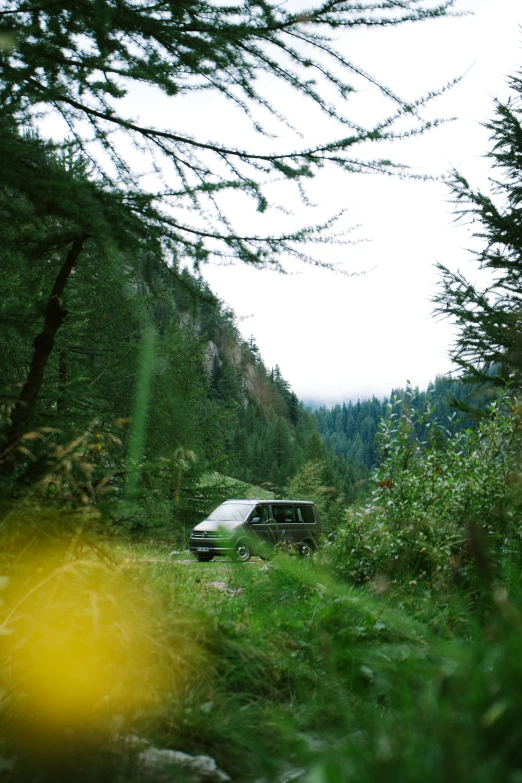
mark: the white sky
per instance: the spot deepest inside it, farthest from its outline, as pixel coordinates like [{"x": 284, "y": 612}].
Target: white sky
[{"x": 338, "y": 337}]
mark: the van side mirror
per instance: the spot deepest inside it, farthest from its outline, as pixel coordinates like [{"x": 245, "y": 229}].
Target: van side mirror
[{"x": 255, "y": 520}]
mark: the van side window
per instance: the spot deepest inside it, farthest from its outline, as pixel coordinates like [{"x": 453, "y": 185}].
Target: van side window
[
  {"x": 261, "y": 512},
  {"x": 283, "y": 515},
  {"x": 305, "y": 515}
]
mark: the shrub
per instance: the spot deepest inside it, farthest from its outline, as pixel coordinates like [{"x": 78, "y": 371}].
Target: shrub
[{"x": 437, "y": 504}]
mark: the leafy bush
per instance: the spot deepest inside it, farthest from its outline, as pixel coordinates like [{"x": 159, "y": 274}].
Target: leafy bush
[{"x": 438, "y": 504}]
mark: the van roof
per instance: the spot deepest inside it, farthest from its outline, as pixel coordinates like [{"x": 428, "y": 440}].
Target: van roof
[{"x": 264, "y": 500}]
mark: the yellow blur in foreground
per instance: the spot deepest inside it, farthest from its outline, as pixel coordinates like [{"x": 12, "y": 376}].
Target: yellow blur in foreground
[{"x": 82, "y": 646}]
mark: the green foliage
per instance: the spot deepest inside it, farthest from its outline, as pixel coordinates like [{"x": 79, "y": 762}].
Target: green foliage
[
  {"x": 459, "y": 721},
  {"x": 275, "y": 668},
  {"x": 350, "y": 430},
  {"x": 295, "y": 661},
  {"x": 316, "y": 481},
  {"x": 441, "y": 508},
  {"x": 488, "y": 347},
  {"x": 125, "y": 385}
]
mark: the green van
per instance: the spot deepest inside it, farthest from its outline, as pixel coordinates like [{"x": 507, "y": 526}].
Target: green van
[{"x": 243, "y": 528}]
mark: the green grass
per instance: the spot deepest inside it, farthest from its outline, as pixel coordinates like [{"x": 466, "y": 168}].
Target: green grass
[
  {"x": 297, "y": 657},
  {"x": 278, "y": 665},
  {"x": 239, "y": 489},
  {"x": 310, "y": 672}
]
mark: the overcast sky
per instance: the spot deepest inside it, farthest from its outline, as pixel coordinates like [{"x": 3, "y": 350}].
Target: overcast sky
[{"x": 337, "y": 337}]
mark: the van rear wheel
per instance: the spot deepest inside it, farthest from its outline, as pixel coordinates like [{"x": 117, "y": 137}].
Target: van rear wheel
[
  {"x": 306, "y": 550},
  {"x": 243, "y": 552}
]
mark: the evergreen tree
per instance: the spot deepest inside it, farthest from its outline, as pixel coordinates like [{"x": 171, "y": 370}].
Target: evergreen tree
[
  {"x": 55, "y": 218},
  {"x": 488, "y": 348},
  {"x": 225, "y": 382},
  {"x": 280, "y": 450},
  {"x": 315, "y": 448},
  {"x": 350, "y": 430}
]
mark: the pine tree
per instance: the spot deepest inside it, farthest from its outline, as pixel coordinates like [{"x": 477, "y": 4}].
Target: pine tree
[
  {"x": 280, "y": 451},
  {"x": 488, "y": 347}
]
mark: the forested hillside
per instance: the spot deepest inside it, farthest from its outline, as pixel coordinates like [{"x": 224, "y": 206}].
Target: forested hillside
[
  {"x": 211, "y": 404},
  {"x": 350, "y": 430}
]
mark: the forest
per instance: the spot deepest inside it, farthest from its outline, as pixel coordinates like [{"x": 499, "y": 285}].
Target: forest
[
  {"x": 350, "y": 430},
  {"x": 131, "y": 406}
]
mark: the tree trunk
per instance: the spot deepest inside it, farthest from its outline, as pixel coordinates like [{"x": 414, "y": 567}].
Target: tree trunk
[{"x": 43, "y": 345}]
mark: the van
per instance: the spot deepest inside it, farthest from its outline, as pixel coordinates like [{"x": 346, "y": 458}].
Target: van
[{"x": 242, "y": 528}]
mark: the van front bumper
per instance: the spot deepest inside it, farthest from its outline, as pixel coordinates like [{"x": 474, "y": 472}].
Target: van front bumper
[{"x": 211, "y": 547}]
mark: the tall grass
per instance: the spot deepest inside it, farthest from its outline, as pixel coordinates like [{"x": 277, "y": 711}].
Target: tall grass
[{"x": 265, "y": 667}]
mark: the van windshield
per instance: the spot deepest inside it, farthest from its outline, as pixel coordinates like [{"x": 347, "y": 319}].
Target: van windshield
[{"x": 236, "y": 512}]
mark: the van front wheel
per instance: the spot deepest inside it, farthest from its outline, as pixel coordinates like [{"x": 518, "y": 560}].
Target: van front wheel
[
  {"x": 204, "y": 557},
  {"x": 306, "y": 550},
  {"x": 243, "y": 552}
]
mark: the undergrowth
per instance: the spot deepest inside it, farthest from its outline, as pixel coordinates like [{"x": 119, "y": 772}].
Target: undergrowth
[{"x": 266, "y": 667}]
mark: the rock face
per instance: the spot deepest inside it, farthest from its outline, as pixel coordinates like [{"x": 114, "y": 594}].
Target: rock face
[
  {"x": 163, "y": 765},
  {"x": 230, "y": 348},
  {"x": 211, "y": 354},
  {"x": 250, "y": 378}
]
